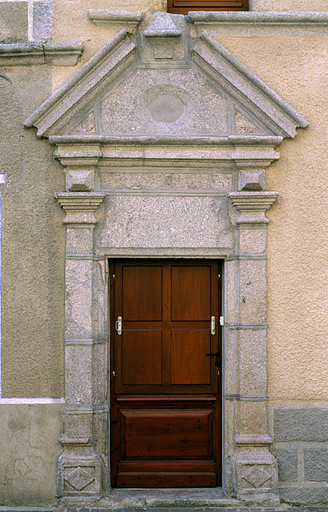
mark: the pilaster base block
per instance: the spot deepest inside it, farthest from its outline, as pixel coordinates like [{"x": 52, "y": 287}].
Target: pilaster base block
[
  {"x": 256, "y": 477},
  {"x": 79, "y": 475}
]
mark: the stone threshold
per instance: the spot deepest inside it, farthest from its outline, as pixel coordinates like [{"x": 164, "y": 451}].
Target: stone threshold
[{"x": 172, "y": 498}]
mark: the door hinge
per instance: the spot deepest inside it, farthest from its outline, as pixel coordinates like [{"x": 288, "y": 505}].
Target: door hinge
[
  {"x": 221, "y": 320},
  {"x": 114, "y": 277},
  {"x": 113, "y": 372}
]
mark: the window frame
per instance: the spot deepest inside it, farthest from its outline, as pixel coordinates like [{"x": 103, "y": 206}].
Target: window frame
[{"x": 184, "y": 6}]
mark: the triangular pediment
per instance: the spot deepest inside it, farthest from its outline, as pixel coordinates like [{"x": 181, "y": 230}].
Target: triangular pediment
[{"x": 206, "y": 92}]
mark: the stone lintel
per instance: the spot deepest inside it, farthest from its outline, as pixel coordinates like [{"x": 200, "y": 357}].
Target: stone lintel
[
  {"x": 80, "y": 206},
  {"x": 27, "y": 54},
  {"x": 252, "y": 206},
  {"x": 116, "y": 19}
]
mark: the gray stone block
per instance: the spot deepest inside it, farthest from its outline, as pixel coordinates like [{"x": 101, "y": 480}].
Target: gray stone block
[
  {"x": 304, "y": 495},
  {"x": 287, "y": 465},
  {"x": 42, "y": 20},
  {"x": 307, "y": 424},
  {"x": 13, "y": 22},
  {"x": 316, "y": 464}
]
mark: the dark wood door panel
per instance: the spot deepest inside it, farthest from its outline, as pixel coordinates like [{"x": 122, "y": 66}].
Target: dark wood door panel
[
  {"x": 142, "y": 357},
  {"x": 189, "y": 364},
  {"x": 142, "y": 293},
  {"x": 168, "y": 478},
  {"x": 166, "y": 434},
  {"x": 191, "y": 293}
]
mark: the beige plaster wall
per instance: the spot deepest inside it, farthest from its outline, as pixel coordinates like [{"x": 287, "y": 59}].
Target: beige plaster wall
[
  {"x": 295, "y": 67},
  {"x": 33, "y": 239},
  {"x": 288, "y": 5},
  {"x": 29, "y": 451}
]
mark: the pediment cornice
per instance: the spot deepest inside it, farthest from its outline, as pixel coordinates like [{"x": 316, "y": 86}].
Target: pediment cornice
[
  {"x": 82, "y": 88},
  {"x": 120, "y": 91}
]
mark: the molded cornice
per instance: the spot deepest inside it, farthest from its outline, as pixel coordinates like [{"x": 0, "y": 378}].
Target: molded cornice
[
  {"x": 85, "y": 91},
  {"x": 241, "y": 152},
  {"x": 80, "y": 206},
  {"x": 83, "y": 87},
  {"x": 246, "y": 88},
  {"x": 119, "y": 19},
  {"x": 28, "y": 54},
  {"x": 249, "y": 24},
  {"x": 253, "y": 205}
]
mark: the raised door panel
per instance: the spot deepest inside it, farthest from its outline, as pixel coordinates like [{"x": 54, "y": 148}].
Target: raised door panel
[
  {"x": 166, "y": 434},
  {"x": 142, "y": 357},
  {"x": 191, "y": 293},
  {"x": 190, "y": 364},
  {"x": 142, "y": 293}
]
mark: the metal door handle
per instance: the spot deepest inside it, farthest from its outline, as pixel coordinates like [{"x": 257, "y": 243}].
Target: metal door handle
[
  {"x": 118, "y": 325},
  {"x": 218, "y": 358},
  {"x": 213, "y": 325}
]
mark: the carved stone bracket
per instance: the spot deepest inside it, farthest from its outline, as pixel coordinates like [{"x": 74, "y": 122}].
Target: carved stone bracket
[
  {"x": 253, "y": 205},
  {"x": 80, "y": 206}
]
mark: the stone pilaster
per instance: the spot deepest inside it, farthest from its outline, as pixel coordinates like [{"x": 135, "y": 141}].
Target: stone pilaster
[
  {"x": 80, "y": 465},
  {"x": 256, "y": 469}
]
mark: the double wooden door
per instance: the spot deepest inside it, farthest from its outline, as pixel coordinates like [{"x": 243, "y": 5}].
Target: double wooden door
[{"x": 165, "y": 374}]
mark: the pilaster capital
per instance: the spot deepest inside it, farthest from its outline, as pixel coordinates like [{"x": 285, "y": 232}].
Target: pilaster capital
[
  {"x": 252, "y": 206},
  {"x": 80, "y": 206}
]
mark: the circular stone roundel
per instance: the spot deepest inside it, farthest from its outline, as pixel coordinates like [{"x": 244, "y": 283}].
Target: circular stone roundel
[
  {"x": 166, "y": 103},
  {"x": 166, "y": 108}
]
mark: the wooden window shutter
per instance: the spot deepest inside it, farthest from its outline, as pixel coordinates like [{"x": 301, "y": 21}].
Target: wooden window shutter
[{"x": 184, "y": 6}]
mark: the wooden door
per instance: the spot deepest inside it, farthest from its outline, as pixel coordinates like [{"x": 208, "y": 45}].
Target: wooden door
[{"x": 165, "y": 401}]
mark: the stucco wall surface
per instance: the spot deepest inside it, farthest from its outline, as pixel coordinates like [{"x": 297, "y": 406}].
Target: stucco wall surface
[
  {"x": 295, "y": 67},
  {"x": 33, "y": 241},
  {"x": 29, "y": 451}
]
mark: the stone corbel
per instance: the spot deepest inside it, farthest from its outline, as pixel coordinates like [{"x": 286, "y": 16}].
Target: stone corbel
[
  {"x": 80, "y": 206},
  {"x": 252, "y": 206}
]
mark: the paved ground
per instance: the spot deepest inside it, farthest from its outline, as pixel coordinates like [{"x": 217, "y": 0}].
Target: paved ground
[{"x": 281, "y": 508}]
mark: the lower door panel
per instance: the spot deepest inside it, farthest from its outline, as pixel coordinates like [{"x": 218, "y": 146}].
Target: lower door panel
[{"x": 166, "y": 441}]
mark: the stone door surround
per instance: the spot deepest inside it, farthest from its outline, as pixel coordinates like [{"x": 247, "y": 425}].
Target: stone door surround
[{"x": 165, "y": 139}]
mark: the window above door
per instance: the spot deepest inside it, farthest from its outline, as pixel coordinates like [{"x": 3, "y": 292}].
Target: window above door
[{"x": 184, "y": 6}]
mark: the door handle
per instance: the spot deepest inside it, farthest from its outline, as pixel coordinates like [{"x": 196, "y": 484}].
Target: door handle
[
  {"x": 118, "y": 325},
  {"x": 218, "y": 358},
  {"x": 213, "y": 325}
]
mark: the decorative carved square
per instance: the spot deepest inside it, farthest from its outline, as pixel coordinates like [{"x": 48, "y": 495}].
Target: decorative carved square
[
  {"x": 256, "y": 476},
  {"x": 79, "y": 478}
]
